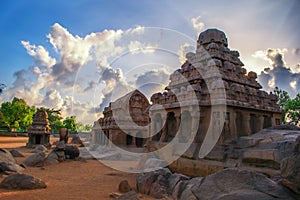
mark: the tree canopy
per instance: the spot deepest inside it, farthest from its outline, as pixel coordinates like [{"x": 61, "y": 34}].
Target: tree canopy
[
  {"x": 16, "y": 114},
  {"x": 290, "y": 107}
]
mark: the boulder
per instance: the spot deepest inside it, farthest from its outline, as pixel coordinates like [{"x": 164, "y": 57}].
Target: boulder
[
  {"x": 5, "y": 156},
  {"x": 154, "y": 183},
  {"x": 35, "y": 160},
  {"x": 183, "y": 190},
  {"x": 52, "y": 158},
  {"x": 60, "y": 146},
  {"x": 71, "y": 151},
  {"x": 76, "y": 140},
  {"x": 290, "y": 172},
  {"x": 16, "y": 153},
  {"x": 38, "y": 149},
  {"x": 10, "y": 167},
  {"x": 154, "y": 164},
  {"x": 233, "y": 183},
  {"x": 124, "y": 186},
  {"x": 174, "y": 179},
  {"x": 22, "y": 182}
]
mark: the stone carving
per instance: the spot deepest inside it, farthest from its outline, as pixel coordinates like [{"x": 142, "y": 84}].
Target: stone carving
[
  {"x": 116, "y": 122},
  {"x": 39, "y": 131}
]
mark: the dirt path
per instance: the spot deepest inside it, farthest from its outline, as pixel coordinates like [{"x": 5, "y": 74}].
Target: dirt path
[{"x": 88, "y": 179}]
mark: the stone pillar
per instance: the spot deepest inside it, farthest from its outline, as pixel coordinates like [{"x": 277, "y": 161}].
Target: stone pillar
[
  {"x": 246, "y": 123},
  {"x": 163, "y": 130},
  {"x": 260, "y": 122},
  {"x": 178, "y": 121},
  {"x": 195, "y": 125},
  {"x": 152, "y": 130},
  {"x": 233, "y": 128}
]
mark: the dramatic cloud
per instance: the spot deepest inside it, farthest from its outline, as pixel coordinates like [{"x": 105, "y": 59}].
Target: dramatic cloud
[
  {"x": 152, "y": 81},
  {"x": 197, "y": 24},
  {"x": 55, "y": 83},
  {"x": 39, "y": 54},
  {"x": 279, "y": 74}
]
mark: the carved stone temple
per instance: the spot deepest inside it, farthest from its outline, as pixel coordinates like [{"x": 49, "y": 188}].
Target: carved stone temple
[
  {"x": 211, "y": 93},
  {"x": 125, "y": 122},
  {"x": 39, "y": 131}
]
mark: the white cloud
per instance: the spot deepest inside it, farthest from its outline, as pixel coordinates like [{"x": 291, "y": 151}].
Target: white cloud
[
  {"x": 197, "y": 24},
  {"x": 137, "y": 47},
  {"x": 39, "y": 54}
]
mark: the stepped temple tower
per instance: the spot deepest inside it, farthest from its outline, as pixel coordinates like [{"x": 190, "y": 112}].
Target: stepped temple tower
[{"x": 39, "y": 131}]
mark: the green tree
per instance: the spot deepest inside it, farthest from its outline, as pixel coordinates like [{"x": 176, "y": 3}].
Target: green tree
[
  {"x": 16, "y": 114},
  {"x": 70, "y": 123},
  {"x": 283, "y": 98},
  {"x": 293, "y": 110},
  {"x": 83, "y": 127}
]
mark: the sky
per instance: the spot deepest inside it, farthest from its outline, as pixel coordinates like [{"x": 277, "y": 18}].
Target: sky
[{"x": 77, "y": 56}]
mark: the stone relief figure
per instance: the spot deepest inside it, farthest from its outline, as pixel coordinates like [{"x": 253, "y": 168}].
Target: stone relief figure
[{"x": 64, "y": 135}]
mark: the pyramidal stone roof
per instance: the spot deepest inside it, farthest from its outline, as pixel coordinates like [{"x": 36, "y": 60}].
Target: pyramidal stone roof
[{"x": 214, "y": 74}]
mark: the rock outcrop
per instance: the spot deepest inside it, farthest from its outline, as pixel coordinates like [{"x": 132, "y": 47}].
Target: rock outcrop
[
  {"x": 231, "y": 183},
  {"x": 22, "y": 182}
]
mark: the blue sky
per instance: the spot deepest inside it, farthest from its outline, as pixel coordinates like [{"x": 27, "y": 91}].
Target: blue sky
[{"x": 252, "y": 27}]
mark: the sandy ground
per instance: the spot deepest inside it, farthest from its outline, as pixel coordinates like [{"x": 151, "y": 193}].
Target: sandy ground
[{"x": 84, "y": 179}]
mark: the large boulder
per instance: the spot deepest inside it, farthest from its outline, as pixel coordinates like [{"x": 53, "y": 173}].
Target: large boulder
[
  {"x": 10, "y": 167},
  {"x": 5, "y": 156},
  {"x": 52, "y": 158},
  {"x": 154, "y": 164},
  {"x": 22, "y": 181},
  {"x": 236, "y": 184},
  {"x": 76, "y": 140},
  {"x": 16, "y": 153},
  {"x": 154, "y": 183},
  {"x": 35, "y": 160},
  {"x": 71, "y": 151},
  {"x": 38, "y": 149},
  {"x": 290, "y": 170}
]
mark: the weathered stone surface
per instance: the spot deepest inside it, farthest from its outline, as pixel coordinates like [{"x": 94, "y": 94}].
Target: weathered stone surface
[
  {"x": 52, "y": 158},
  {"x": 124, "y": 186},
  {"x": 10, "y": 167},
  {"x": 22, "y": 181},
  {"x": 290, "y": 171},
  {"x": 186, "y": 192},
  {"x": 16, "y": 153},
  {"x": 174, "y": 179},
  {"x": 154, "y": 163},
  {"x": 60, "y": 145},
  {"x": 160, "y": 187},
  {"x": 39, "y": 148},
  {"x": 35, "y": 160},
  {"x": 61, "y": 155},
  {"x": 240, "y": 184},
  {"x": 145, "y": 180},
  {"x": 131, "y": 195},
  {"x": 5, "y": 156},
  {"x": 71, "y": 151},
  {"x": 76, "y": 140}
]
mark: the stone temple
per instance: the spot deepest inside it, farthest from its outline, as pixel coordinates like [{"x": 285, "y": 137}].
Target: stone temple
[
  {"x": 210, "y": 99},
  {"x": 39, "y": 131},
  {"x": 125, "y": 122}
]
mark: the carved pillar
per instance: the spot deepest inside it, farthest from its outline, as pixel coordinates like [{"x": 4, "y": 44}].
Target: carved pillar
[
  {"x": 246, "y": 123},
  {"x": 164, "y": 129},
  {"x": 233, "y": 128},
  {"x": 178, "y": 123}
]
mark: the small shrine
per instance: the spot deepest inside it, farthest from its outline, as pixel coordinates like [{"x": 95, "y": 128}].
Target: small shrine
[{"x": 39, "y": 131}]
